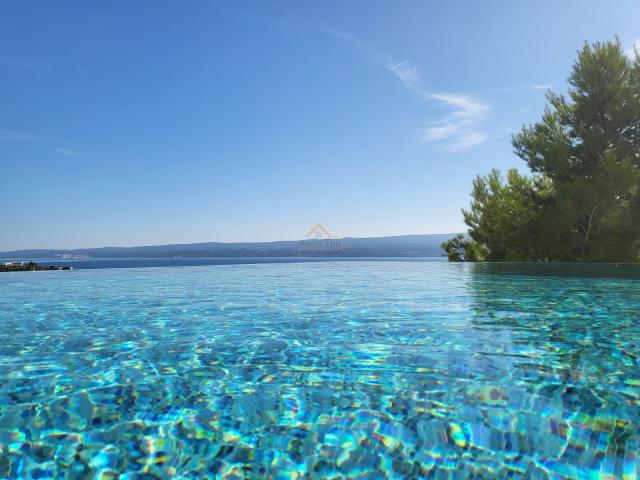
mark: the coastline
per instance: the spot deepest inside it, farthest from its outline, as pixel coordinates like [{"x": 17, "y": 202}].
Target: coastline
[{"x": 100, "y": 263}]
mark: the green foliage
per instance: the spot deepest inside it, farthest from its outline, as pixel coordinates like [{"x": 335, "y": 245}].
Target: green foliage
[
  {"x": 461, "y": 249},
  {"x": 582, "y": 201},
  {"x": 504, "y": 215}
]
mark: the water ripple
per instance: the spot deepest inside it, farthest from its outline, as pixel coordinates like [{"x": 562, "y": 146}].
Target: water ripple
[{"x": 321, "y": 370}]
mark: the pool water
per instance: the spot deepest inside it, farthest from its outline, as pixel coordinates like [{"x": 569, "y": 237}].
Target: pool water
[{"x": 321, "y": 370}]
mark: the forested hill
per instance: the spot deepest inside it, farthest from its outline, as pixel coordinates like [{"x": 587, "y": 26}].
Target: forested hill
[{"x": 397, "y": 246}]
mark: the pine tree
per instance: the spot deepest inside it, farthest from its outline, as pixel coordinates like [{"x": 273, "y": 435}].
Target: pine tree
[{"x": 582, "y": 202}]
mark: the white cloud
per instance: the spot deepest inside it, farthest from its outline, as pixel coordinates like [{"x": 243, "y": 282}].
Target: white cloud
[
  {"x": 630, "y": 52},
  {"x": 408, "y": 74},
  {"x": 439, "y": 132},
  {"x": 538, "y": 86},
  {"x": 460, "y": 127},
  {"x": 517, "y": 88},
  {"x": 20, "y": 63},
  {"x": 466, "y": 107},
  {"x": 456, "y": 131},
  {"x": 37, "y": 141},
  {"x": 346, "y": 37},
  {"x": 21, "y": 136},
  {"x": 465, "y": 141},
  {"x": 67, "y": 151}
]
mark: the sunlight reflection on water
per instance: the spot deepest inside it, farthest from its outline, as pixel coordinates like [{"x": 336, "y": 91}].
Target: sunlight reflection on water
[{"x": 351, "y": 370}]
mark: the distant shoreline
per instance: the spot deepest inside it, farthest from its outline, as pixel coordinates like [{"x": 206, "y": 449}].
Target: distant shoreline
[
  {"x": 99, "y": 263},
  {"x": 30, "y": 266},
  {"x": 428, "y": 245}
]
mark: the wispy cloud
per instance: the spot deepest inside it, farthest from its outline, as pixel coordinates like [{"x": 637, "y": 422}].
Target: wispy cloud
[
  {"x": 21, "y": 136},
  {"x": 465, "y": 141},
  {"x": 459, "y": 130},
  {"x": 24, "y": 64},
  {"x": 68, "y": 152},
  {"x": 40, "y": 142},
  {"x": 518, "y": 88},
  {"x": 347, "y": 37},
  {"x": 631, "y": 51},
  {"x": 408, "y": 74},
  {"x": 465, "y": 125},
  {"x": 456, "y": 131},
  {"x": 356, "y": 44},
  {"x": 538, "y": 86}
]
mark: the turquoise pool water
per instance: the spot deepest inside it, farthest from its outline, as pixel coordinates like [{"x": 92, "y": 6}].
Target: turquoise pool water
[{"x": 321, "y": 370}]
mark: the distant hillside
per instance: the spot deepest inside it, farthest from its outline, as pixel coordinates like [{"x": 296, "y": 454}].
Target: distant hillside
[{"x": 398, "y": 246}]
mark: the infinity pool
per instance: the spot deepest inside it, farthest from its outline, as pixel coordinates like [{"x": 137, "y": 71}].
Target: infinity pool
[{"x": 321, "y": 370}]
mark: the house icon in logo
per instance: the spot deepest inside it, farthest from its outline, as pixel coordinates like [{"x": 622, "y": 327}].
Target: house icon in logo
[
  {"x": 318, "y": 242},
  {"x": 318, "y": 232}
]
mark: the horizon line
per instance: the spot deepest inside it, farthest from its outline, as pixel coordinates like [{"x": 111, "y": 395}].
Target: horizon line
[{"x": 215, "y": 242}]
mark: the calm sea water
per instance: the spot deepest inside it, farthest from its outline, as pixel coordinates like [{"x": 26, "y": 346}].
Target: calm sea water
[
  {"x": 321, "y": 370},
  {"x": 195, "y": 261}
]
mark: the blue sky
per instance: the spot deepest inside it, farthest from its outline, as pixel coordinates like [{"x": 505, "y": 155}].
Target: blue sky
[{"x": 131, "y": 123}]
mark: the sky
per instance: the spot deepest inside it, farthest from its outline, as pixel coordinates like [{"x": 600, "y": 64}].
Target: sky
[{"x": 153, "y": 122}]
